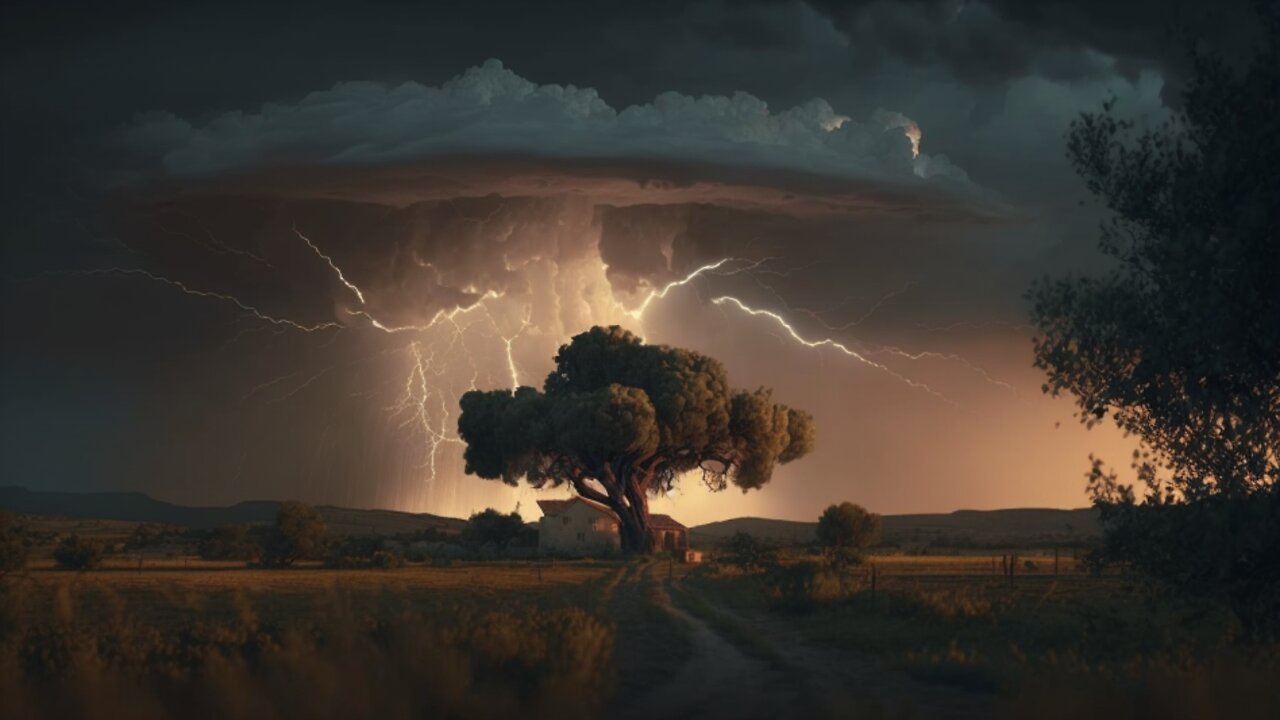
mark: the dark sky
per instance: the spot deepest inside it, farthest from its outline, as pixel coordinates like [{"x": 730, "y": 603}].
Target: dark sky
[{"x": 148, "y": 144}]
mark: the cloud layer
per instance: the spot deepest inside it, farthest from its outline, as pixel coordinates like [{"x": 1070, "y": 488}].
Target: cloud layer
[{"x": 491, "y": 110}]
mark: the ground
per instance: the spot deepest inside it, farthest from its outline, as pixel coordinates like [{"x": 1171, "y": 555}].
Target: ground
[{"x": 941, "y": 637}]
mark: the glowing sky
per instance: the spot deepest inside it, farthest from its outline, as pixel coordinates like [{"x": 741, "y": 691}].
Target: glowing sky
[{"x": 281, "y": 290}]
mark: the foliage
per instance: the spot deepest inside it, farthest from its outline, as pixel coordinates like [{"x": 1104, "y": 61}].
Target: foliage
[
  {"x": 845, "y": 530},
  {"x": 229, "y": 542},
  {"x": 1180, "y": 341},
  {"x": 13, "y": 544},
  {"x": 803, "y": 586},
  {"x": 491, "y": 527},
  {"x": 299, "y": 534},
  {"x": 748, "y": 552},
  {"x": 365, "y": 551},
  {"x": 76, "y": 553},
  {"x": 148, "y": 535},
  {"x": 618, "y": 420}
]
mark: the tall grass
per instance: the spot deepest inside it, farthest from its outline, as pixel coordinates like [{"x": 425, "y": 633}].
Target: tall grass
[{"x": 83, "y": 652}]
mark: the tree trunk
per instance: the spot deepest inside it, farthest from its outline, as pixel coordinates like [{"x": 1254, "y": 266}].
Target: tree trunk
[{"x": 626, "y": 497}]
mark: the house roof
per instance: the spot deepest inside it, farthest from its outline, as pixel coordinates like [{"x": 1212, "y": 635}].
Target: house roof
[
  {"x": 551, "y": 508},
  {"x": 664, "y": 522}
]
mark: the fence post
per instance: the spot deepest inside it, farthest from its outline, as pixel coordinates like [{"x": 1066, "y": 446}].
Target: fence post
[
  {"x": 539, "y": 566},
  {"x": 873, "y": 582},
  {"x": 1013, "y": 565},
  {"x": 1055, "y": 562}
]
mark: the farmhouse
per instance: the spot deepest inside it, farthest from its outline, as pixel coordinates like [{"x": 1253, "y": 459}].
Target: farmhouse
[{"x": 578, "y": 526}]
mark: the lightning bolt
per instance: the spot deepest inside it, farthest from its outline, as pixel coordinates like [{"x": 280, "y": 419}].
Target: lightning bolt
[
  {"x": 660, "y": 293},
  {"x": 336, "y": 270},
  {"x": 509, "y": 341},
  {"x": 828, "y": 342},
  {"x": 246, "y": 307},
  {"x": 898, "y": 352}
]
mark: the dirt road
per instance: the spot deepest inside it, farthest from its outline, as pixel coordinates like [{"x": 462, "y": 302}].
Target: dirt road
[{"x": 758, "y": 667}]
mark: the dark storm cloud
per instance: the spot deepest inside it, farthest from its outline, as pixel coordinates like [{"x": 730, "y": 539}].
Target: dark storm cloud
[{"x": 115, "y": 381}]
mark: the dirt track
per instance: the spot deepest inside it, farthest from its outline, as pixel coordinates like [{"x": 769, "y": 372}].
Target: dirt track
[{"x": 763, "y": 669}]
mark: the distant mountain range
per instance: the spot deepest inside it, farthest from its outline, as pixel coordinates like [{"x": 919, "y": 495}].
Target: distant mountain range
[
  {"x": 139, "y": 507},
  {"x": 978, "y": 528}
]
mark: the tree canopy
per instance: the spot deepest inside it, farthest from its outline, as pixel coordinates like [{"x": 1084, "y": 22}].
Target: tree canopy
[
  {"x": 1180, "y": 341},
  {"x": 299, "y": 534},
  {"x": 848, "y": 528},
  {"x": 619, "y": 419}
]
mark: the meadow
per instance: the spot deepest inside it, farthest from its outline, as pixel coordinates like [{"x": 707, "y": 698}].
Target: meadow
[{"x": 938, "y": 636}]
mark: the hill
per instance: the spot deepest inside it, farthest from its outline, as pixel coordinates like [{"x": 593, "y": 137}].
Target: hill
[
  {"x": 975, "y": 528},
  {"x": 139, "y": 507}
]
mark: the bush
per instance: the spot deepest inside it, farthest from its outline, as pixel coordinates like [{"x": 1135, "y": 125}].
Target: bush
[
  {"x": 846, "y": 530},
  {"x": 151, "y": 534},
  {"x": 492, "y": 528},
  {"x": 365, "y": 551},
  {"x": 750, "y": 553},
  {"x": 299, "y": 534},
  {"x": 229, "y": 542},
  {"x": 13, "y": 544},
  {"x": 805, "y": 585},
  {"x": 77, "y": 553}
]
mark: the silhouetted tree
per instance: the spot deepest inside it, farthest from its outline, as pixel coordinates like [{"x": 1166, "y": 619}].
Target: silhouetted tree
[
  {"x": 846, "y": 530},
  {"x": 13, "y": 544},
  {"x": 491, "y": 527},
  {"x": 618, "y": 420},
  {"x": 1180, "y": 341},
  {"x": 229, "y": 542},
  {"x": 76, "y": 553},
  {"x": 299, "y": 534}
]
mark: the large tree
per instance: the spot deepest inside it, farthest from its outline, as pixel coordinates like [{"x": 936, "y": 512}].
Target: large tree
[
  {"x": 618, "y": 420},
  {"x": 1180, "y": 341}
]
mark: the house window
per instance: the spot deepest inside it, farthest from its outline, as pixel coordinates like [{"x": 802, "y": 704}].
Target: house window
[
  {"x": 582, "y": 536},
  {"x": 566, "y": 519}
]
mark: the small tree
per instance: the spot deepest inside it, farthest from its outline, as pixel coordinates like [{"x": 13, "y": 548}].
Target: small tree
[
  {"x": 491, "y": 527},
  {"x": 13, "y": 544},
  {"x": 299, "y": 534},
  {"x": 76, "y": 553},
  {"x": 846, "y": 530}
]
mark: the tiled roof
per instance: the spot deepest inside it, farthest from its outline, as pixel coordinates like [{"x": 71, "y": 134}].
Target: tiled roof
[
  {"x": 664, "y": 522},
  {"x": 554, "y": 507},
  {"x": 551, "y": 508}
]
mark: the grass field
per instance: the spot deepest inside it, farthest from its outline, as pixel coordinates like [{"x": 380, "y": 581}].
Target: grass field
[
  {"x": 198, "y": 639},
  {"x": 1047, "y": 645}
]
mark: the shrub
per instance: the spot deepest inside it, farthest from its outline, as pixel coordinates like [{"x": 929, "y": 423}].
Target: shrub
[
  {"x": 492, "y": 528},
  {"x": 299, "y": 534},
  {"x": 229, "y": 542},
  {"x": 750, "y": 553},
  {"x": 364, "y": 551},
  {"x": 805, "y": 585},
  {"x": 77, "y": 553},
  {"x": 846, "y": 530}
]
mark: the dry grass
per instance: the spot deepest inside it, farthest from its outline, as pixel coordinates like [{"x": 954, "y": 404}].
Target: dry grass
[
  {"x": 467, "y": 641},
  {"x": 1092, "y": 644}
]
